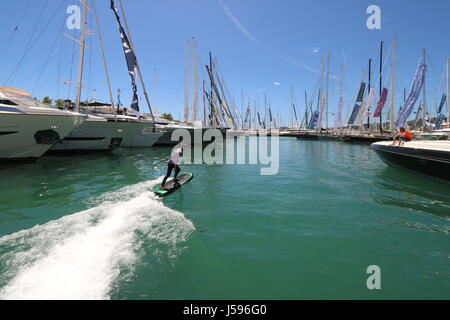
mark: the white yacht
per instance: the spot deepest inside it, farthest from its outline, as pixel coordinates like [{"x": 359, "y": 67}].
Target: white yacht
[
  {"x": 29, "y": 128},
  {"x": 106, "y": 133},
  {"x": 431, "y": 158},
  {"x": 146, "y": 136},
  {"x": 441, "y": 134}
]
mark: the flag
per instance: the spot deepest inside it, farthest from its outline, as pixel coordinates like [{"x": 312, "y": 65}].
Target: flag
[
  {"x": 412, "y": 97},
  {"x": 381, "y": 103},
  {"x": 131, "y": 60}
]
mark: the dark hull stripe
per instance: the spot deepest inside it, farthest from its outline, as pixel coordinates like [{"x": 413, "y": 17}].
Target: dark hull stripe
[{"x": 4, "y": 133}]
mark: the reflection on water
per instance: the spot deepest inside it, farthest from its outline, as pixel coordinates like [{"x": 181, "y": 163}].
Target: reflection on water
[{"x": 411, "y": 191}]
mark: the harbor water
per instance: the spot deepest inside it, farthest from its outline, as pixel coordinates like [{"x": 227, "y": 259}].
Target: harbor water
[{"x": 90, "y": 227}]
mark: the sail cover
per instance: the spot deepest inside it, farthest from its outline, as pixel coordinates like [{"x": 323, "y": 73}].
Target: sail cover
[
  {"x": 130, "y": 58},
  {"x": 381, "y": 103},
  {"x": 413, "y": 95}
]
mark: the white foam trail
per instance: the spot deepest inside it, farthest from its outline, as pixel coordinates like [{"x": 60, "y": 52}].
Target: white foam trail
[{"x": 81, "y": 255}]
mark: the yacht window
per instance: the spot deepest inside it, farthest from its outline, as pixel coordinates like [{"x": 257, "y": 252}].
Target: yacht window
[{"x": 8, "y": 102}]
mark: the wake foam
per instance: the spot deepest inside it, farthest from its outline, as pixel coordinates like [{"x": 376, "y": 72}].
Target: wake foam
[{"x": 80, "y": 256}]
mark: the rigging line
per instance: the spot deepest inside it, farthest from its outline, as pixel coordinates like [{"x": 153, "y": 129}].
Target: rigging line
[
  {"x": 39, "y": 35},
  {"x": 13, "y": 33},
  {"x": 29, "y": 40},
  {"x": 33, "y": 73},
  {"x": 71, "y": 65},
  {"x": 48, "y": 57}
]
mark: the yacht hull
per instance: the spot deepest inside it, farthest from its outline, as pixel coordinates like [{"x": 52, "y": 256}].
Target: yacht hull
[
  {"x": 430, "y": 162},
  {"x": 29, "y": 136},
  {"x": 95, "y": 135}
]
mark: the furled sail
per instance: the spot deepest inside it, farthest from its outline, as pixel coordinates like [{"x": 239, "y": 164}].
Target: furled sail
[
  {"x": 365, "y": 107},
  {"x": 338, "y": 121},
  {"x": 412, "y": 97},
  {"x": 322, "y": 106},
  {"x": 131, "y": 60}
]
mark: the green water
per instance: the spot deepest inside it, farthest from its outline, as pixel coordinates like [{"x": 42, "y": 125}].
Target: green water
[{"x": 89, "y": 227}]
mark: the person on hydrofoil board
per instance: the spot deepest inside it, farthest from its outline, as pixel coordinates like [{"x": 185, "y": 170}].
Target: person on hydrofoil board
[{"x": 172, "y": 164}]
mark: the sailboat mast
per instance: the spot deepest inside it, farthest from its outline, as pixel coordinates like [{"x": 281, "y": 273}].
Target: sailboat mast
[
  {"x": 186, "y": 106},
  {"x": 368, "y": 87},
  {"x": 381, "y": 86},
  {"x": 448, "y": 91},
  {"x": 204, "y": 105},
  {"x": 391, "y": 115},
  {"x": 194, "y": 99},
  {"x": 424, "y": 96},
  {"x": 326, "y": 97},
  {"x": 103, "y": 56},
  {"x": 320, "y": 97},
  {"x": 156, "y": 84},
  {"x": 81, "y": 56}
]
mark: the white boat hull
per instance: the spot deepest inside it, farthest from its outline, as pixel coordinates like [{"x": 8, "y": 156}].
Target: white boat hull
[
  {"x": 29, "y": 136},
  {"x": 96, "y": 135}
]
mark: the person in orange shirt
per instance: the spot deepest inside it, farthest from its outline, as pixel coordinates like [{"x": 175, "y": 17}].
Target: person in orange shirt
[{"x": 401, "y": 137}]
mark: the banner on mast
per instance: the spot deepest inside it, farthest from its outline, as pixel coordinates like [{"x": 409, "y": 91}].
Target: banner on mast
[
  {"x": 412, "y": 97},
  {"x": 313, "y": 121},
  {"x": 441, "y": 105},
  {"x": 131, "y": 61},
  {"x": 361, "y": 92},
  {"x": 439, "y": 121},
  {"x": 355, "y": 112},
  {"x": 381, "y": 103}
]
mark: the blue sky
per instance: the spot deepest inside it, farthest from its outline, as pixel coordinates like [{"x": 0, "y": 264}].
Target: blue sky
[{"x": 257, "y": 44}]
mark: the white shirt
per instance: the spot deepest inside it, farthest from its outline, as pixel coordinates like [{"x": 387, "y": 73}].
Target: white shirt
[{"x": 176, "y": 154}]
